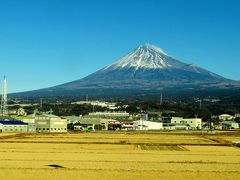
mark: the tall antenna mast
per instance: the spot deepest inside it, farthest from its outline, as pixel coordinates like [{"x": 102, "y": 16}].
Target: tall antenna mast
[{"x": 4, "y": 109}]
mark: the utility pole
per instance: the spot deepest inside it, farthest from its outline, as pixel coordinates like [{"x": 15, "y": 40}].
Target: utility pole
[
  {"x": 41, "y": 103},
  {"x": 4, "y": 109},
  {"x": 161, "y": 100},
  {"x": 200, "y": 103},
  {"x": 160, "y": 105}
]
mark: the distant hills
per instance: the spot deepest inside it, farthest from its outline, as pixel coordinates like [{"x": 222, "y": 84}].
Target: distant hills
[{"x": 145, "y": 69}]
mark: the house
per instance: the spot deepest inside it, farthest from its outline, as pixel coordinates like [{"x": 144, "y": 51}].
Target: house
[
  {"x": 237, "y": 115},
  {"x": 225, "y": 117},
  {"x": 80, "y": 123},
  {"x": 169, "y": 126},
  {"x": 114, "y": 125},
  {"x": 127, "y": 125},
  {"x": 120, "y": 125},
  {"x": 94, "y": 124},
  {"x": 230, "y": 125}
]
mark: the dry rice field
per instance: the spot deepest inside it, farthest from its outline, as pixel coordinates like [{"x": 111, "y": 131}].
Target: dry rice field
[{"x": 120, "y": 155}]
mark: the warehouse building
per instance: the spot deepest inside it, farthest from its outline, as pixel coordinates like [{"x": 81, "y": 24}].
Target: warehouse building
[
  {"x": 148, "y": 125},
  {"x": 13, "y": 126},
  {"x": 31, "y": 123},
  {"x": 50, "y": 123},
  {"x": 187, "y": 123}
]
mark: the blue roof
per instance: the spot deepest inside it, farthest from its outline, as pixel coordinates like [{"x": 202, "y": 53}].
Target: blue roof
[{"x": 13, "y": 123}]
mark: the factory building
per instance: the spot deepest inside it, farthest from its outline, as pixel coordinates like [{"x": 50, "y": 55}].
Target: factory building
[
  {"x": 31, "y": 123},
  {"x": 148, "y": 125},
  {"x": 187, "y": 123},
  {"x": 50, "y": 123},
  {"x": 13, "y": 126}
]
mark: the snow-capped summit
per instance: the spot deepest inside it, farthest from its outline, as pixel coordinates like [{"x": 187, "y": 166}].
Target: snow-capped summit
[
  {"x": 151, "y": 47},
  {"x": 150, "y": 62},
  {"x": 145, "y": 56}
]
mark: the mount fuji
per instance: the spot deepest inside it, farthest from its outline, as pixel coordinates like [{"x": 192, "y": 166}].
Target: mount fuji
[{"x": 147, "y": 68}]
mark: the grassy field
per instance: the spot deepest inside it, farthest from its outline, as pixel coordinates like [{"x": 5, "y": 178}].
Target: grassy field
[{"x": 120, "y": 155}]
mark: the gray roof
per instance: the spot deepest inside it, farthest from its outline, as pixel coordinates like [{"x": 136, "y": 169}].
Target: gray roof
[{"x": 86, "y": 120}]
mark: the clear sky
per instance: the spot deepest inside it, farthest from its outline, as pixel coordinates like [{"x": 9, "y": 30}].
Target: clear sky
[{"x": 48, "y": 42}]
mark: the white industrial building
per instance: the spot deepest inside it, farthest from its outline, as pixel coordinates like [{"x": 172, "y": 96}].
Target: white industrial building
[
  {"x": 148, "y": 125},
  {"x": 50, "y": 123},
  {"x": 187, "y": 123},
  {"x": 31, "y": 123},
  {"x": 13, "y": 126}
]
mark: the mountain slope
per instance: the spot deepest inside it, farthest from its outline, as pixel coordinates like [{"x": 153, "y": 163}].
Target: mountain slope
[{"x": 146, "y": 68}]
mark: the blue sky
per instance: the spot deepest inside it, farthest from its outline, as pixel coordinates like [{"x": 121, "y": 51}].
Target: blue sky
[{"x": 48, "y": 42}]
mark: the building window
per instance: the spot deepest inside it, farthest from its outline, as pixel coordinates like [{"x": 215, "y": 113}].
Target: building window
[
  {"x": 48, "y": 129},
  {"x": 58, "y": 128},
  {"x": 51, "y": 129},
  {"x": 65, "y": 129},
  {"x": 39, "y": 128},
  {"x": 43, "y": 128},
  {"x": 55, "y": 129}
]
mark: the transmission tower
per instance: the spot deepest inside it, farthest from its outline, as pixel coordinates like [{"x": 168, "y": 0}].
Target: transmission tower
[{"x": 4, "y": 109}]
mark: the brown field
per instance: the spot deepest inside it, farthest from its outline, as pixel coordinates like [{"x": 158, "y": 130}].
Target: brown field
[{"x": 120, "y": 155}]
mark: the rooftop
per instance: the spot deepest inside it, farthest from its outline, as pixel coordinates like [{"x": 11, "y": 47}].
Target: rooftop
[{"x": 11, "y": 122}]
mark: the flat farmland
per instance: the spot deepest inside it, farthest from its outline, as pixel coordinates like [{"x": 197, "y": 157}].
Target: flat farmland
[{"x": 120, "y": 155}]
